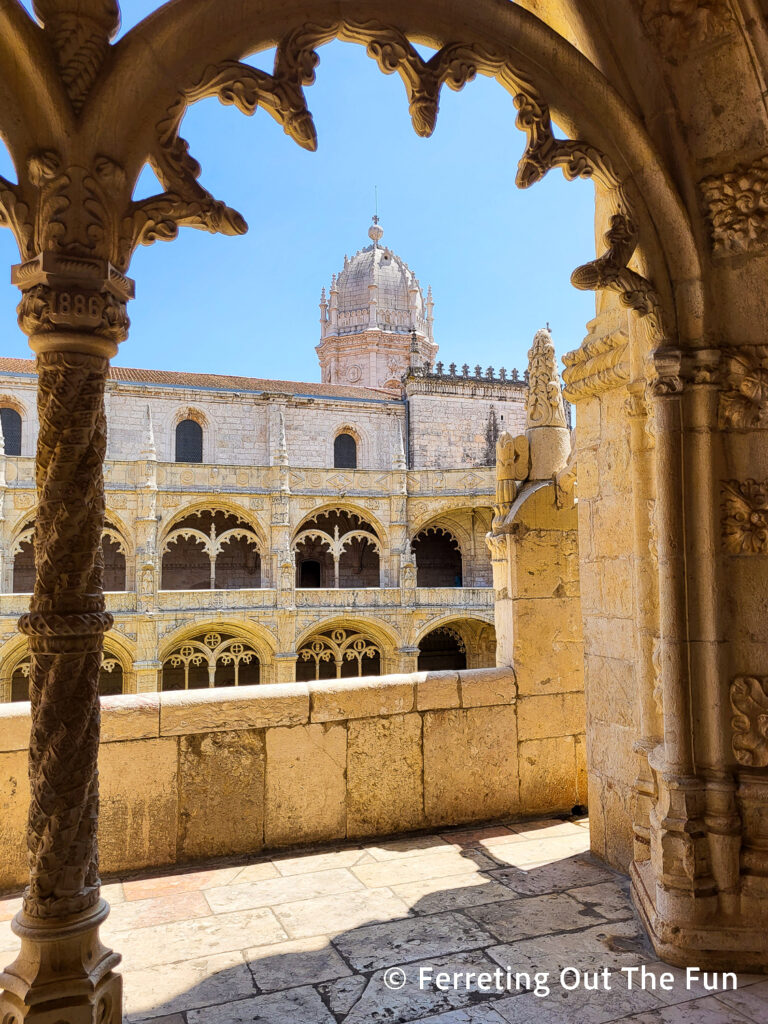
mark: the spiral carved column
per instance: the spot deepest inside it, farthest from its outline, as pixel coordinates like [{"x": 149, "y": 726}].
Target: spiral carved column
[{"x": 63, "y": 972}]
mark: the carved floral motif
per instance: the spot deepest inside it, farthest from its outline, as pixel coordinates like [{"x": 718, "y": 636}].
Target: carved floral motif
[
  {"x": 749, "y": 700},
  {"x": 744, "y": 516},
  {"x": 737, "y": 207},
  {"x": 744, "y": 389}
]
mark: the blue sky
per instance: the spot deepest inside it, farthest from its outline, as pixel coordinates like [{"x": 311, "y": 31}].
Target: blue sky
[{"x": 498, "y": 259}]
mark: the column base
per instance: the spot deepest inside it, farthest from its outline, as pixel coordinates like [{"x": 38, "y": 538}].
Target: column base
[
  {"x": 721, "y": 941},
  {"x": 63, "y": 974}
]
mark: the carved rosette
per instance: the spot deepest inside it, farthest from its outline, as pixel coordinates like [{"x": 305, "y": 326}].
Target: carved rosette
[
  {"x": 737, "y": 208},
  {"x": 749, "y": 700},
  {"x": 65, "y": 626},
  {"x": 744, "y": 388},
  {"x": 744, "y": 517}
]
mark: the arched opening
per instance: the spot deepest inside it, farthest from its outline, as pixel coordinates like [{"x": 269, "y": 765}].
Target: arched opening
[
  {"x": 189, "y": 441},
  {"x": 211, "y": 659},
  {"x": 113, "y": 555},
  {"x": 341, "y": 549},
  {"x": 110, "y": 678},
  {"x": 10, "y": 420},
  {"x": 337, "y": 654},
  {"x": 344, "y": 452},
  {"x": 310, "y": 574},
  {"x": 112, "y": 552},
  {"x": 442, "y": 649},
  {"x": 438, "y": 558},
  {"x": 211, "y": 550},
  {"x": 24, "y": 565}
]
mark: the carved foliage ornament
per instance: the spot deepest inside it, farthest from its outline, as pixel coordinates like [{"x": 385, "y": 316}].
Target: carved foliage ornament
[
  {"x": 749, "y": 700},
  {"x": 744, "y": 394},
  {"x": 79, "y": 32},
  {"x": 744, "y": 517},
  {"x": 737, "y": 208}
]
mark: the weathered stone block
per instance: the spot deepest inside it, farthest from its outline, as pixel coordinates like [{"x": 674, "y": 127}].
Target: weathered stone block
[
  {"x": 384, "y": 775},
  {"x": 547, "y": 715},
  {"x": 244, "y": 707},
  {"x": 486, "y": 687},
  {"x": 548, "y": 781},
  {"x": 130, "y": 718},
  {"x": 470, "y": 764},
  {"x": 437, "y": 690},
  {"x": 15, "y": 723},
  {"x": 306, "y": 784},
  {"x": 221, "y": 793},
  {"x": 347, "y": 699},
  {"x": 14, "y": 802},
  {"x": 139, "y": 803}
]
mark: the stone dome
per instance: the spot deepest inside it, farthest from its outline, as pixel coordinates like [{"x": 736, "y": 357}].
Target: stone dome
[{"x": 377, "y": 289}]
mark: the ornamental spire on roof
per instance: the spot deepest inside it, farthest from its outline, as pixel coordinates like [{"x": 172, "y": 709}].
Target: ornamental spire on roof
[{"x": 544, "y": 405}]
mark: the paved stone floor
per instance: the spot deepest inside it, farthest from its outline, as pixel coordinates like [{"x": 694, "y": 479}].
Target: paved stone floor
[{"x": 343, "y": 934}]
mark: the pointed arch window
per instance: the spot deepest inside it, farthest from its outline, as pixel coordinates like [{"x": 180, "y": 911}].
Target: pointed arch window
[
  {"x": 11, "y": 423},
  {"x": 345, "y": 452},
  {"x": 189, "y": 441}
]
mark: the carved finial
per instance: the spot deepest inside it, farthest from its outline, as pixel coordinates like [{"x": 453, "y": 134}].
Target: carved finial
[
  {"x": 503, "y": 373},
  {"x": 452, "y": 369},
  {"x": 465, "y": 370},
  {"x": 439, "y": 369},
  {"x": 544, "y": 404},
  {"x": 149, "y": 450},
  {"x": 478, "y": 370},
  {"x": 489, "y": 373},
  {"x": 375, "y": 231}
]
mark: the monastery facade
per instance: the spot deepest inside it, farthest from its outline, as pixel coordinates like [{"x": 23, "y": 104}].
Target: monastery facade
[{"x": 269, "y": 530}]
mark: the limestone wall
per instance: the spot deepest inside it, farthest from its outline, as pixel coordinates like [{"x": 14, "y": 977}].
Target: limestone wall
[
  {"x": 208, "y": 773},
  {"x": 472, "y": 423}
]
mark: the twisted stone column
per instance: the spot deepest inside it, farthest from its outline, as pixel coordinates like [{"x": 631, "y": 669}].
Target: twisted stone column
[{"x": 63, "y": 974}]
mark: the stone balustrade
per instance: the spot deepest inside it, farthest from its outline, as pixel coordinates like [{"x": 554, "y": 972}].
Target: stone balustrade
[{"x": 307, "y": 763}]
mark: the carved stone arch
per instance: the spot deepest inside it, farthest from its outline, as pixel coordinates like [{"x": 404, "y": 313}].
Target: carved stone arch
[
  {"x": 220, "y": 504},
  {"x": 12, "y": 653},
  {"x": 381, "y": 632},
  {"x": 27, "y": 447},
  {"x": 263, "y": 640},
  {"x": 464, "y": 623},
  {"x": 342, "y": 505},
  {"x": 362, "y": 440},
  {"x": 500, "y": 40},
  {"x": 258, "y": 636},
  {"x": 167, "y": 440}
]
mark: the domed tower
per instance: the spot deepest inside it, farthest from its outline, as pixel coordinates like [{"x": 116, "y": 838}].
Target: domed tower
[{"x": 367, "y": 323}]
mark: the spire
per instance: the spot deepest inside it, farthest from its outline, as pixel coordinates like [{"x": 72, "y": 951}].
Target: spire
[
  {"x": 415, "y": 355},
  {"x": 281, "y": 458},
  {"x": 399, "y": 460},
  {"x": 544, "y": 405},
  {"x": 149, "y": 449}
]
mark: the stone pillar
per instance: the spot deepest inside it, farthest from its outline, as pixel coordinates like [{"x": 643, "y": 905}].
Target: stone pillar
[
  {"x": 147, "y": 675},
  {"x": 408, "y": 659},
  {"x": 285, "y": 667},
  {"x": 74, "y": 312}
]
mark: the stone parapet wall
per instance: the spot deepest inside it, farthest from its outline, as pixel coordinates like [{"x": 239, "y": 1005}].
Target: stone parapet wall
[{"x": 209, "y": 773}]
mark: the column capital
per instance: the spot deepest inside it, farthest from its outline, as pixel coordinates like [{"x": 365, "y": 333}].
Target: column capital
[{"x": 72, "y": 303}]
